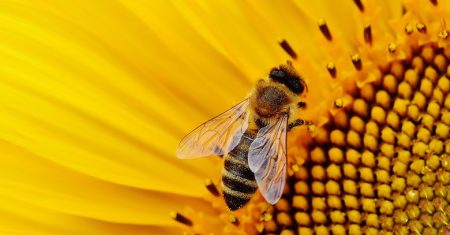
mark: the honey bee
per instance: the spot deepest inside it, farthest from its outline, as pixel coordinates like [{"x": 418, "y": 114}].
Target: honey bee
[{"x": 251, "y": 137}]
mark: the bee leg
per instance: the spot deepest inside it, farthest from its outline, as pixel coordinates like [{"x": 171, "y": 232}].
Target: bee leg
[
  {"x": 298, "y": 122},
  {"x": 260, "y": 123}
]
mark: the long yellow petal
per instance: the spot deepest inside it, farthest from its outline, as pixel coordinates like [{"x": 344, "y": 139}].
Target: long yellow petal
[
  {"x": 20, "y": 218},
  {"x": 30, "y": 178}
]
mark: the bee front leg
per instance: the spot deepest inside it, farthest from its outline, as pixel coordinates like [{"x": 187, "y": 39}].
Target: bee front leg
[{"x": 298, "y": 122}]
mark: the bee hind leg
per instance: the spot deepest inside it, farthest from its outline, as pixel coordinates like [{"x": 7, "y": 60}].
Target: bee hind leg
[{"x": 298, "y": 122}]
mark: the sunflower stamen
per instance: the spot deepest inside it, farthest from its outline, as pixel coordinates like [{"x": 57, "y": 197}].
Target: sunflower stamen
[
  {"x": 324, "y": 29},
  {"x": 311, "y": 128},
  {"x": 359, "y": 5},
  {"x": 368, "y": 34},
  {"x": 295, "y": 167},
  {"x": 180, "y": 218},
  {"x": 339, "y": 103},
  {"x": 212, "y": 187},
  {"x": 288, "y": 49},
  {"x": 409, "y": 28},
  {"x": 356, "y": 60},
  {"x": 233, "y": 219},
  {"x": 443, "y": 34},
  {"x": 265, "y": 217},
  {"x": 403, "y": 9},
  {"x": 331, "y": 67},
  {"x": 421, "y": 28},
  {"x": 392, "y": 47}
]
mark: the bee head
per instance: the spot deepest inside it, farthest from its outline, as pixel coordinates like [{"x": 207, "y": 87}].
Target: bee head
[{"x": 288, "y": 77}]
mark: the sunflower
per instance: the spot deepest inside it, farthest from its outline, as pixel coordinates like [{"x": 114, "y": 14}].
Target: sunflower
[{"x": 96, "y": 95}]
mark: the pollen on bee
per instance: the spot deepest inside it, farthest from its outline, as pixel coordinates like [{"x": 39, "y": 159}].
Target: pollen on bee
[
  {"x": 324, "y": 29},
  {"x": 180, "y": 218},
  {"x": 288, "y": 49}
]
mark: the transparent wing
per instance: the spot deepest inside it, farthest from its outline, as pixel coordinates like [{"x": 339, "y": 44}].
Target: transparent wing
[
  {"x": 267, "y": 159},
  {"x": 217, "y": 136}
]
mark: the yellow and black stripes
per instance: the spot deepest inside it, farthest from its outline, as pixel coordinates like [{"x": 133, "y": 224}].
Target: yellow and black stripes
[{"x": 238, "y": 181}]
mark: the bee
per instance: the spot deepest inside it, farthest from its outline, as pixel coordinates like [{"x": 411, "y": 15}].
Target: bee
[{"x": 251, "y": 137}]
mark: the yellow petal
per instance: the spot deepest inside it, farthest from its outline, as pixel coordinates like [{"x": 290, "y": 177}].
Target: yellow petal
[
  {"x": 82, "y": 103},
  {"x": 28, "y": 177},
  {"x": 19, "y": 217}
]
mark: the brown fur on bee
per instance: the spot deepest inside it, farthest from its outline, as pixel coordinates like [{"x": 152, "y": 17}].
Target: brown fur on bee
[{"x": 269, "y": 99}]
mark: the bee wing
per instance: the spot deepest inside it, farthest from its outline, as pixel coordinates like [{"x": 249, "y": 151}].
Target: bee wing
[
  {"x": 217, "y": 136},
  {"x": 267, "y": 159}
]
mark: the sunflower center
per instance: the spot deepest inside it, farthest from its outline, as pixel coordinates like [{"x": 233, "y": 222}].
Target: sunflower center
[{"x": 382, "y": 165}]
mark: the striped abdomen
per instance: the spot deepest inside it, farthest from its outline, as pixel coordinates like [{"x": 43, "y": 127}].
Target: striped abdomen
[{"x": 238, "y": 181}]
